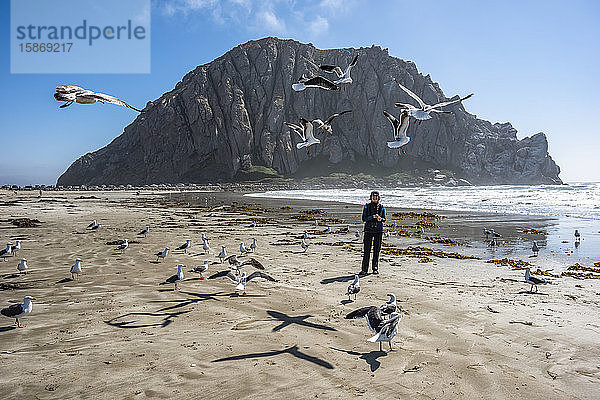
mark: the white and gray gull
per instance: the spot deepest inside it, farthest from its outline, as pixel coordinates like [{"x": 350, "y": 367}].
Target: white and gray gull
[
  {"x": 384, "y": 330},
  {"x": 18, "y": 310},
  {"x": 75, "y": 94}
]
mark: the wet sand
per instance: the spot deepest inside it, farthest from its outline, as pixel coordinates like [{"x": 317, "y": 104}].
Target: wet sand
[{"x": 470, "y": 329}]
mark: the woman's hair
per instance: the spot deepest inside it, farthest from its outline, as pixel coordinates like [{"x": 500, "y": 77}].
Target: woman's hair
[{"x": 374, "y": 192}]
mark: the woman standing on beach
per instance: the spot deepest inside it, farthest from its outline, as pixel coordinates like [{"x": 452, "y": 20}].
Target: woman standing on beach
[{"x": 373, "y": 216}]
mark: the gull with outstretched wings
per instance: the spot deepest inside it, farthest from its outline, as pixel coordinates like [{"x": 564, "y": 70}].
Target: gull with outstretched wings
[{"x": 76, "y": 94}]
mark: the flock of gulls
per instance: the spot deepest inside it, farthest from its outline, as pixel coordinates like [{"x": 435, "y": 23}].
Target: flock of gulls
[{"x": 304, "y": 128}]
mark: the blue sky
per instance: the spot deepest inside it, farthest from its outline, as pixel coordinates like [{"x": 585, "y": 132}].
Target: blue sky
[{"x": 532, "y": 63}]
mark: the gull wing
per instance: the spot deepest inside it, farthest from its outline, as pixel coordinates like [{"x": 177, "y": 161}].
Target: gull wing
[
  {"x": 332, "y": 68},
  {"x": 225, "y": 274},
  {"x": 12, "y": 311},
  {"x": 352, "y": 64},
  {"x": 307, "y": 128},
  {"x": 333, "y": 116},
  {"x": 371, "y": 313},
  {"x": 445, "y": 103},
  {"x": 296, "y": 128},
  {"x": 405, "y": 105},
  {"x": 260, "y": 275},
  {"x": 411, "y": 94},
  {"x": 69, "y": 89},
  {"x": 394, "y": 121},
  {"x": 321, "y": 82},
  {"x": 109, "y": 99},
  {"x": 253, "y": 262}
]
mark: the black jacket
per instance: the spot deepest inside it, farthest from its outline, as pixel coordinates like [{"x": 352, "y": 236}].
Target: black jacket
[{"x": 371, "y": 223}]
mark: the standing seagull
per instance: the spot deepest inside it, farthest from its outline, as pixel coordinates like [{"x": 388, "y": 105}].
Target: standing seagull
[
  {"x": 123, "y": 246},
  {"x": 22, "y": 267},
  {"x": 7, "y": 252},
  {"x": 76, "y": 268},
  {"x": 343, "y": 77},
  {"x": 253, "y": 245},
  {"x": 16, "y": 247},
  {"x": 205, "y": 245},
  {"x": 423, "y": 111},
  {"x": 162, "y": 254},
  {"x": 535, "y": 249},
  {"x": 18, "y": 310},
  {"x": 145, "y": 231},
  {"x": 76, "y": 94},
  {"x": 389, "y": 307},
  {"x": 175, "y": 278},
  {"x": 244, "y": 249},
  {"x": 243, "y": 280},
  {"x": 314, "y": 82},
  {"x": 577, "y": 235},
  {"x": 400, "y": 127},
  {"x": 200, "y": 269},
  {"x": 185, "y": 246},
  {"x": 326, "y": 126},
  {"x": 222, "y": 254},
  {"x": 304, "y": 245},
  {"x": 384, "y": 330},
  {"x": 96, "y": 227},
  {"x": 93, "y": 223},
  {"x": 353, "y": 288},
  {"x": 532, "y": 280}
]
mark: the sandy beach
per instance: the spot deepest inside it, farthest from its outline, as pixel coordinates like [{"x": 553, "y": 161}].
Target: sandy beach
[{"x": 470, "y": 329}]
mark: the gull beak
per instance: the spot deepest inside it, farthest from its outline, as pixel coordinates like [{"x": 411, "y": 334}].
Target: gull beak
[{"x": 33, "y": 298}]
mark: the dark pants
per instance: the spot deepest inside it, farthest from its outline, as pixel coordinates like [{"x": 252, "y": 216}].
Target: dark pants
[{"x": 371, "y": 239}]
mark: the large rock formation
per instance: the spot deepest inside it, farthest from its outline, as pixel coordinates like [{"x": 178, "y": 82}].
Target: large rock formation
[{"x": 229, "y": 114}]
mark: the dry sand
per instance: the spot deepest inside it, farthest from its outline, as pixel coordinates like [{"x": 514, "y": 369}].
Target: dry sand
[{"x": 469, "y": 328}]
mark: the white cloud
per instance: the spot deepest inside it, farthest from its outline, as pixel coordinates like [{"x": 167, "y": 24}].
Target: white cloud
[
  {"x": 271, "y": 22},
  {"x": 319, "y": 26}
]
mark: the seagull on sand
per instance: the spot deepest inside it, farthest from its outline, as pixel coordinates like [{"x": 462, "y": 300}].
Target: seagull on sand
[
  {"x": 400, "y": 127},
  {"x": 162, "y": 254},
  {"x": 7, "y": 252},
  {"x": 577, "y": 235},
  {"x": 384, "y": 330},
  {"x": 343, "y": 77},
  {"x": 305, "y": 235},
  {"x": 389, "y": 307},
  {"x": 96, "y": 227},
  {"x": 304, "y": 245},
  {"x": 93, "y": 223},
  {"x": 535, "y": 248},
  {"x": 204, "y": 237},
  {"x": 357, "y": 234},
  {"x": 16, "y": 247},
  {"x": 423, "y": 111},
  {"x": 18, "y": 310},
  {"x": 487, "y": 232},
  {"x": 185, "y": 246},
  {"x": 532, "y": 280},
  {"x": 22, "y": 267},
  {"x": 326, "y": 126},
  {"x": 76, "y": 268},
  {"x": 353, "y": 288},
  {"x": 76, "y": 94},
  {"x": 314, "y": 82},
  {"x": 205, "y": 245},
  {"x": 327, "y": 230},
  {"x": 145, "y": 231},
  {"x": 253, "y": 245},
  {"x": 244, "y": 249},
  {"x": 242, "y": 281},
  {"x": 123, "y": 246},
  {"x": 201, "y": 268},
  {"x": 175, "y": 278},
  {"x": 222, "y": 254}
]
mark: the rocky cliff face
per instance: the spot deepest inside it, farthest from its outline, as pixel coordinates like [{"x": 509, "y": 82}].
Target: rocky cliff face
[{"x": 229, "y": 114}]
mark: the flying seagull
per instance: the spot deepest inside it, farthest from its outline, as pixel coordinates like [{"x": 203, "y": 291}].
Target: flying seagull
[
  {"x": 315, "y": 82},
  {"x": 423, "y": 111},
  {"x": 243, "y": 280},
  {"x": 76, "y": 94},
  {"x": 532, "y": 280},
  {"x": 18, "y": 310},
  {"x": 236, "y": 265},
  {"x": 400, "y": 127},
  {"x": 343, "y": 77},
  {"x": 353, "y": 288},
  {"x": 308, "y": 136},
  {"x": 326, "y": 126},
  {"x": 175, "y": 278},
  {"x": 384, "y": 330}
]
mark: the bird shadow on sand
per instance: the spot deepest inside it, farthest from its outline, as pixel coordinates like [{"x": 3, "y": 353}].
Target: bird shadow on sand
[
  {"x": 290, "y": 350},
  {"x": 11, "y": 276},
  {"x": 155, "y": 262},
  {"x": 144, "y": 319},
  {"x": 300, "y": 320},
  {"x": 198, "y": 297},
  {"x": 346, "y": 301},
  {"x": 7, "y": 328},
  {"x": 371, "y": 357},
  {"x": 345, "y": 278},
  {"x": 534, "y": 293},
  {"x": 65, "y": 280}
]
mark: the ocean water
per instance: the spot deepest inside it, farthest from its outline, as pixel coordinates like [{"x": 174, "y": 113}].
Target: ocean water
[{"x": 508, "y": 209}]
